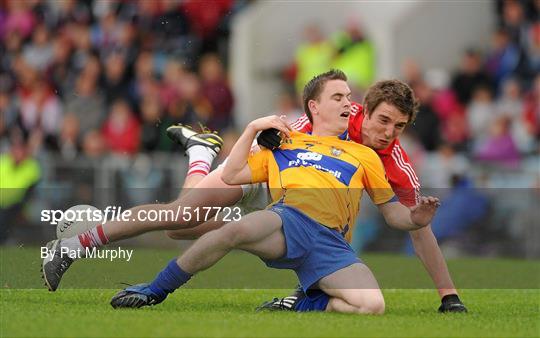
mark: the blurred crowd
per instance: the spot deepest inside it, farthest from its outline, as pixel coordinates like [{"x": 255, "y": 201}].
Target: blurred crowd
[
  {"x": 487, "y": 112},
  {"x": 95, "y": 78},
  {"x": 98, "y": 77},
  {"x": 477, "y": 139}
]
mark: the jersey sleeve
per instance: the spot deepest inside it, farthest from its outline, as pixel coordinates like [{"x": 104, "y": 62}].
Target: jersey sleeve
[
  {"x": 258, "y": 164},
  {"x": 402, "y": 176},
  {"x": 302, "y": 124},
  {"x": 375, "y": 181},
  {"x": 356, "y": 108},
  {"x": 355, "y": 122}
]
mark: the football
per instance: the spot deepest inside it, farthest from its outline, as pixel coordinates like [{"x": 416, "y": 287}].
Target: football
[{"x": 76, "y": 220}]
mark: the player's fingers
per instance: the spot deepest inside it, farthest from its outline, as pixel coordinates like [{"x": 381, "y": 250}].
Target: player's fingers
[
  {"x": 275, "y": 118},
  {"x": 435, "y": 202},
  {"x": 429, "y": 199},
  {"x": 284, "y": 120},
  {"x": 285, "y": 131},
  {"x": 283, "y": 127},
  {"x": 282, "y": 130},
  {"x": 433, "y": 199}
]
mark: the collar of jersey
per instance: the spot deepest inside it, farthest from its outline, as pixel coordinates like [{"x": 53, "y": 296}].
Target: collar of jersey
[{"x": 344, "y": 136}]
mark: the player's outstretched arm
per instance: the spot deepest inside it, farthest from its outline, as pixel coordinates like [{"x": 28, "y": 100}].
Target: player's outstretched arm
[
  {"x": 400, "y": 217},
  {"x": 427, "y": 249},
  {"x": 236, "y": 170}
]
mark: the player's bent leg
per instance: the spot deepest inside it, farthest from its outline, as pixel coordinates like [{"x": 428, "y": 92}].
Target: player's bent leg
[
  {"x": 196, "y": 232},
  {"x": 265, "y": 240},
  {"x": 346, "y": 296},
  {"x": 201, "y": 148},
  {"x": 248, "y": 198},
  {"x": 268, "y": 242},
  {"x": 339, "y": 305},
  {"x": 356, "y": 289},
  {"x": 361, "y": 302},
  {"x": 191, "y": 182},
  {"x": 210, "y": 192},
  {"x": 53, "y": 269}
]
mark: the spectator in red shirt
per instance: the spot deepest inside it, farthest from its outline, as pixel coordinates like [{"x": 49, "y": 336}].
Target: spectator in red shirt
[
  {"x": 216, "y": 89},
  {"x": 121, "y": 131},
  {"x": 205, "y": 16},
  {"x": 532, "y": 109}
]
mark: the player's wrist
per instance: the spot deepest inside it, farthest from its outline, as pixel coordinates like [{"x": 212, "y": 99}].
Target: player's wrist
[{"x": 251, "y": 128}]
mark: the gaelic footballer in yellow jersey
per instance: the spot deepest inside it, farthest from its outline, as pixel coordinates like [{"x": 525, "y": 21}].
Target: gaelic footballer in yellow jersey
[{"x": 323, "y": 177}]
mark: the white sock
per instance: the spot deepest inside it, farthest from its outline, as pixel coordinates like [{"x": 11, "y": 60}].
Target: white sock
[
  {"x": 200, "y": 160},
  {"x": 94, "y": 237}
]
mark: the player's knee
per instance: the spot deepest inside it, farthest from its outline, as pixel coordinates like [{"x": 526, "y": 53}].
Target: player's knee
[
  {"x": 375, "y": 306},
  {"x": 170, "y": 218},
  {"x": 180, "y": 235},
  {"x": 173, "y": 235},
  {"x": 235, "y": 233},
  {"x": 372, "y": 306}
]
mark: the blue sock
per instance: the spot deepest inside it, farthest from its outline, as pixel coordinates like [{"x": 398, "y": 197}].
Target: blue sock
[
  {"x": 317, "y": 303},
  {"x": 169, "y": 279}
]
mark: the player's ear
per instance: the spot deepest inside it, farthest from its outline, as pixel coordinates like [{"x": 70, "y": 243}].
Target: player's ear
[{"x": 312, "y": 105}]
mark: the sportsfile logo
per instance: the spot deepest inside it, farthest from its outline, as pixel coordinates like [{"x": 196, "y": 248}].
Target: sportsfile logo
[{"x": 119, "y": 214}]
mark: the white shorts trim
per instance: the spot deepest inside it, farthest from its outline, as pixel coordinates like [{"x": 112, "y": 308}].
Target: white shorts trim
[{"x": 254, "y": 197}]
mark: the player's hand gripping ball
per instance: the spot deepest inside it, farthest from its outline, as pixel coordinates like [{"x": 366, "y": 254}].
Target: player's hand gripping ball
[{"x": 77, "y": 220}]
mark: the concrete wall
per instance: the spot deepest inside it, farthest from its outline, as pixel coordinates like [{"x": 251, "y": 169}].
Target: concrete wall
[
  {"x": 265, "y": 37},
  {"x": 436, "y": 32}
]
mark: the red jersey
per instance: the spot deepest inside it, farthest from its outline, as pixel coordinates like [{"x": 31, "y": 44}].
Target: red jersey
[{"x": 399, "y": 170}]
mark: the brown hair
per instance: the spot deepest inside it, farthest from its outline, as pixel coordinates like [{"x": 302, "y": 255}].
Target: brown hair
[
  {"x": 314, "y": 87},
  {"x": 394, "y": 92}
]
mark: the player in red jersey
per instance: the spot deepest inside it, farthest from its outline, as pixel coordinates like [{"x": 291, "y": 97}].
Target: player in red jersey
[{"x": 399, "y": 171}]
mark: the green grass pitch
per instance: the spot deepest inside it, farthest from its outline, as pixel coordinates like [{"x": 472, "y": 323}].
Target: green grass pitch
[{"x": 220, "y": 302}]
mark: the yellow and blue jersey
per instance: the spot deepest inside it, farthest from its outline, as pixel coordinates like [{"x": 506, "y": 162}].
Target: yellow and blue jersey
[{"x": 323, "y": 177}]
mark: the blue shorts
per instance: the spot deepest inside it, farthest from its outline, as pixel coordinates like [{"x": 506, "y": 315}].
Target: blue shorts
[{"x": 313, "y": 250}]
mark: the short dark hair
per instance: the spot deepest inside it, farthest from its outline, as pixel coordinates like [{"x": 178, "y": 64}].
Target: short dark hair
[
  {"x": 394, "y": 92},
  {"x": 314, "y": 87}
]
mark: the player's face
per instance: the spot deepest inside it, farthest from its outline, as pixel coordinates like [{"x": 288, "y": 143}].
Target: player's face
[
  {"x": 334, "y": 106},
  {"x": 383, "y": 127}
]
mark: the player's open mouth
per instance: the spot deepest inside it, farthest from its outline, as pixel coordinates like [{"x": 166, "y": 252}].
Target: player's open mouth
[{"x": 345, "y": 114}]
